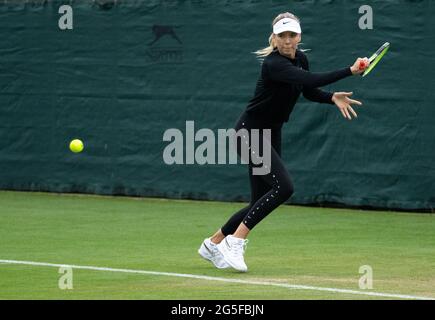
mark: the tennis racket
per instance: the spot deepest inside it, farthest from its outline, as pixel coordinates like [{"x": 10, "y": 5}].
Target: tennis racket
[{"x": 375, "y": 58}]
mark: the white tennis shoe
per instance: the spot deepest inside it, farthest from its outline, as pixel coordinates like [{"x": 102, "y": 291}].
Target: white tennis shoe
[
  {"x": 208, "y": 250},
  {"x": 233, "y": 249}
]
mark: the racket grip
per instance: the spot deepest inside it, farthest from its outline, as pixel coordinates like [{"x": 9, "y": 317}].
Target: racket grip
[{"x": 362, "y": 65}]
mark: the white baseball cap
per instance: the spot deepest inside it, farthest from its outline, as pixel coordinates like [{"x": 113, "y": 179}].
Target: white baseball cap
[{"x": 287, "y": 24}]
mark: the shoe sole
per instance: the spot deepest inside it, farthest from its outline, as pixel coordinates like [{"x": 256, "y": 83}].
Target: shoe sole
[{"x": 210, "y": 260}]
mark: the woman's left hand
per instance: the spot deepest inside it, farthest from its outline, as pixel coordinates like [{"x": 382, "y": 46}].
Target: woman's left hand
[{"x": 343, "y": 102}]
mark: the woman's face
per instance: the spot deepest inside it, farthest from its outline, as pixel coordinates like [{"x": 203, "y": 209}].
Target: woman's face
[{"x": 287, "y": 43}]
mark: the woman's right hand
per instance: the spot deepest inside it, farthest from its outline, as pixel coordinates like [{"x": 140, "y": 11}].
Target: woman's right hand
[{"x": 360, "y": 65}]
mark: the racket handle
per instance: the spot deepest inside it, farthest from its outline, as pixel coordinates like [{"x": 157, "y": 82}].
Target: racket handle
[{"x": 362, "y": 65}]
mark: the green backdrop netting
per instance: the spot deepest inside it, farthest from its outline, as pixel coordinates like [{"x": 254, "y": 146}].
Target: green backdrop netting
[{"x": 109, "y": 83}]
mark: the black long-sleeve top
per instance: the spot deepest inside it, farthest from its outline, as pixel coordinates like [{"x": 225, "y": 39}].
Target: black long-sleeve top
[{"x": 281, "y": 82}]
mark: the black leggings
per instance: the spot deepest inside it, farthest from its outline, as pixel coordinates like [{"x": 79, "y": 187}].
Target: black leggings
[{"x": 267, "y": 191}]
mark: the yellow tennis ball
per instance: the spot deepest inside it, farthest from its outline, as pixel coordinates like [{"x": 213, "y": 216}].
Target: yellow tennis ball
[{"x": 76, "y": 146}]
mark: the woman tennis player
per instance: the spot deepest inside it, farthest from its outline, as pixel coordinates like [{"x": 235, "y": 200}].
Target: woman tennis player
[{"x": 284, "y": 76}]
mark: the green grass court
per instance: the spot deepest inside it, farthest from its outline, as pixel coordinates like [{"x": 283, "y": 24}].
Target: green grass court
[{"x": 316, "y": 247}]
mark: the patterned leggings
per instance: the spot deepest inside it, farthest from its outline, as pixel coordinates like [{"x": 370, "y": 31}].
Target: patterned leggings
[{"x": 267, "y": 191}]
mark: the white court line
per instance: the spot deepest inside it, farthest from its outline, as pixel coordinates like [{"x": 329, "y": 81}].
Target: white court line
[{"x": 248, "y": 282}]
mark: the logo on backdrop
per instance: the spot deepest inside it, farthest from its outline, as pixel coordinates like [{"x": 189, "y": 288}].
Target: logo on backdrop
[
  {"x": 105, "y": 4},
  {"x": 165, "y": 45}
]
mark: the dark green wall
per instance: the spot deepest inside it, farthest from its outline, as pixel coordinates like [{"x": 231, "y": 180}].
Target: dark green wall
[{"x": 104, "y": 83}]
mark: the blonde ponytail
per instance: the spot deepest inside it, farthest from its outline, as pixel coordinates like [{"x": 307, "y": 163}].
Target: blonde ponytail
[{"x": 261, "y": 53}]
